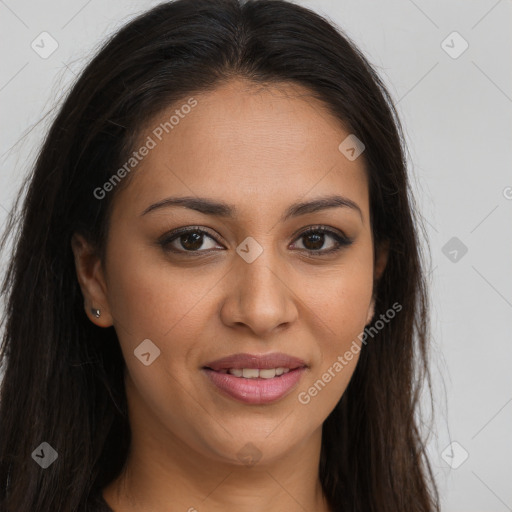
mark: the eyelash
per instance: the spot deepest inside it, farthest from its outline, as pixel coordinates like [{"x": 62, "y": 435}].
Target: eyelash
[{"x": 341, "y": 240}]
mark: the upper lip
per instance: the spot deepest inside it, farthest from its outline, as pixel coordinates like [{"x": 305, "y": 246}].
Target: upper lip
[{"x": 273, "y": 360}]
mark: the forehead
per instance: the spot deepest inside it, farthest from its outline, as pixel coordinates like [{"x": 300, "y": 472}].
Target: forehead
[{"x": 265, "y": 146}]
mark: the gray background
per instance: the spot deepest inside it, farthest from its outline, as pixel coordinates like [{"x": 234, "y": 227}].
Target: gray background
[{"x": 457, "y": 117}]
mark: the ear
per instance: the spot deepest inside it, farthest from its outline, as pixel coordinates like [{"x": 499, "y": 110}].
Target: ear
[
  {"x": 90, "y": 276},
  {"x": 381, "y": 261}
]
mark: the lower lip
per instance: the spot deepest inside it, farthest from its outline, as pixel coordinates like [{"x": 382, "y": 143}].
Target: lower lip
[{"x": 255, "y": 391}]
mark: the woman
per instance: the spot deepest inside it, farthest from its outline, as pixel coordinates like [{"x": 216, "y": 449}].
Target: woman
[{"x": 217, "y": 300}]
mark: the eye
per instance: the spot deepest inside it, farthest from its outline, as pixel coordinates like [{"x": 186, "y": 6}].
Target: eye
[
  {"x": 189, "y": 240},
  {"x": 192, "y": 239},
  {"x": 315, "y": 237}
]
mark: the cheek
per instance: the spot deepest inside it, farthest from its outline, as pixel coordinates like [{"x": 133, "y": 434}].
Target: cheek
[
  {"x": 340, "y": 307},
  {"x": 325, "y": 388},
  {"x": 341, "y": 299},
  {"x": 341, "y": 313},
  {"x": 343, "y": 304},
  {"x": 153, "y": 298}
]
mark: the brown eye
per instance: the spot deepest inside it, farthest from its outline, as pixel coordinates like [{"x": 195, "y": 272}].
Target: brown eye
[
  {"x": 192, "y": 240},
  {"x": 314, "y": 241},
  {"x": 316, "y": 237},
  {"x": 187, "y": 240}
]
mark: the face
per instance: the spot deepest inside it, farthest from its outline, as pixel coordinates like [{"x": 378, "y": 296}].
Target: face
[{"x": 264, "y": 279}]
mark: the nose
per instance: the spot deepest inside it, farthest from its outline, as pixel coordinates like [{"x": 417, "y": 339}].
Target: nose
[{"x": 260, "y": 296}]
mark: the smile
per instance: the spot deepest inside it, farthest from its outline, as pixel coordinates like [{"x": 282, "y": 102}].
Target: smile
[
  {"x": 254, "y": 373},
  {"x": 256, "y": 389}
]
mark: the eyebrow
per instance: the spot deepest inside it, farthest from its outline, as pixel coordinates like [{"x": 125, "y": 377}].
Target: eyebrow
[{"x": 222, "y": 209}]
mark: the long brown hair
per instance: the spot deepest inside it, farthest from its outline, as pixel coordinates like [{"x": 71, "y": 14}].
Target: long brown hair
[{"x": 63, "y": 376}]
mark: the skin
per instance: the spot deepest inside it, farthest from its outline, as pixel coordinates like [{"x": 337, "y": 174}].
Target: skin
[{"x": 260, "y": 150}]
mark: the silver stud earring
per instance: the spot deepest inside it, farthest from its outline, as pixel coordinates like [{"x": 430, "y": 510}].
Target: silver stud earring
[{"x": 96, "y": 312}]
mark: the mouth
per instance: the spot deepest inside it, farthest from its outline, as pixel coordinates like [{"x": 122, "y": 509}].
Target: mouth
[
  {"x": 249, "y": 363},
  {"x": 254, "y": 373},
  {"x": 255, "y": 379}
]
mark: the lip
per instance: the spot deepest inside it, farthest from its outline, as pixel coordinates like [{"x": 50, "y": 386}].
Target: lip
[
  {"x": 263, "y": 361},
  {"x": 255, "y": 391}
]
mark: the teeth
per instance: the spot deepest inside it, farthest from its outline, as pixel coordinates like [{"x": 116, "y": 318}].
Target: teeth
[
  {"x": 269, "y": 373},
  {"x": 249, "y": 373},
  {"x": 254, "y": 373}
]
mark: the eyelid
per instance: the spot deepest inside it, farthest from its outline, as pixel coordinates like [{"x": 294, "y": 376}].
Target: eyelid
[
  {"x": 320, "y": 227},
  {"x": 170, "y": 236},
  {"x": 341, "y": 239},
  {"x": 187, "y": 229}
]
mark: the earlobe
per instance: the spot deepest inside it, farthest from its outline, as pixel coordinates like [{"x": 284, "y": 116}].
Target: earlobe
[
  {"x": 380, "y": 265},
  {"x": 371, "y": 311},
  {"x": 90, "y": 278},
  {"x": 381, "y": 259}
]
